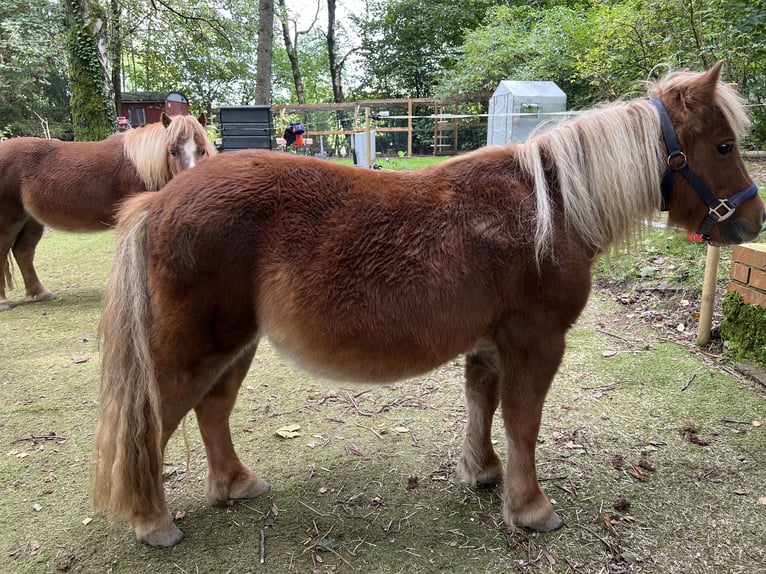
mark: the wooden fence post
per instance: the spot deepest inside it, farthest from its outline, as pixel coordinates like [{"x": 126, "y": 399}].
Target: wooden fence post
[{"x": 708, "y": 294}]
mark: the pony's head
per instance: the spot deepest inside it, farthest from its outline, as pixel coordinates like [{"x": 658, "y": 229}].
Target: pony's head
[
  {"x": 714, "y": 194},
  {"x": 164, "y": 149},
  {"x": 187, "y": 142}
]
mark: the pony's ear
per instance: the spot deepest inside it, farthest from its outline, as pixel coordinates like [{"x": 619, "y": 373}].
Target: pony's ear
[
  {"x": 165, "y": 119},
  {"x": 202, "y": 118},
  {"x": 704, "y": 89}
]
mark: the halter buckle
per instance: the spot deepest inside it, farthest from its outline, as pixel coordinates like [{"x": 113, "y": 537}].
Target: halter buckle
[{"x": 722, "y": 211}]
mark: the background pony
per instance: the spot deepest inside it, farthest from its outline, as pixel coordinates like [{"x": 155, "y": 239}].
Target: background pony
[
  {"x": 378, "y": 275},
  {"x": 77, "y": 186}
]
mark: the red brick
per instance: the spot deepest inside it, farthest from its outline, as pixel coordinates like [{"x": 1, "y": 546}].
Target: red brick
[
  {"x": 751, "y": 254},
  {"x": 750, "y": 296},
  {"x": 758, "y": 279},
  {"x": 739, "y": 272}
]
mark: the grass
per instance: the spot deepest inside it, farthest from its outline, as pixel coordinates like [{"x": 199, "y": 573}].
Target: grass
[{"x": 369, "y": 484}]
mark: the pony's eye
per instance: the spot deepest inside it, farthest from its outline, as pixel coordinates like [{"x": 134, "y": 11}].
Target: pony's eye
[
  {"x": 724, "y": 148},
  {"x": 173, "y": 152},
  {"x": 202, "y": 152}
]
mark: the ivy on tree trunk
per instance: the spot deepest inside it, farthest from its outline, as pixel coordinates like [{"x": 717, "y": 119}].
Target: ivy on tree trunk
[{"x": 93, "y": 116}]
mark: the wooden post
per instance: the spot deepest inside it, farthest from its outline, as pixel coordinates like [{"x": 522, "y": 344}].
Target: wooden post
[
  {"x": 409, "y": 127},
  {"x": 708, "y": 294},
  {"x": 368, "y": 136}
]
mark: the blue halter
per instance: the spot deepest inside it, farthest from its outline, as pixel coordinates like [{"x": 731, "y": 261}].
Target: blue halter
[{"x": 718, "y": 209}]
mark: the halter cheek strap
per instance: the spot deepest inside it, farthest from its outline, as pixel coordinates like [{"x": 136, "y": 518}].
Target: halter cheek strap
[{"x": 718, "y": 209}]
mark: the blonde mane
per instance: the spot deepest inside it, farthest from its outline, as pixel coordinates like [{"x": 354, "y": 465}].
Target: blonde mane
[
  {"x": 147, "y": 147},
  {"x": 609, "y": 162}
]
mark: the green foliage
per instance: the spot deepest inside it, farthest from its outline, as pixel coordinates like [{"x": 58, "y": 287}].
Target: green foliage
[
  {"x": 205, "y": 51},
  {"x": 33, "y": 84},
  {"x": 744, "y": 330},
  {"x": 407, "y": 43},
  {"x": 661, "y": 257},
  {"x": 601, "y": 50}
]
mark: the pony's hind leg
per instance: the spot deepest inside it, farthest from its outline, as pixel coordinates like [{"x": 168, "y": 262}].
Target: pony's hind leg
[
  {"x": 24, "y": 251},
  {"x": 228, "y": 478},
  {"x": 479, "y": 463},
  {"x": 529, "y": 358}
]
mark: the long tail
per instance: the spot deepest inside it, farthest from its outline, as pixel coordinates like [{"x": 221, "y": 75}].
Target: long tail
[{"x": 127, "y": 454}]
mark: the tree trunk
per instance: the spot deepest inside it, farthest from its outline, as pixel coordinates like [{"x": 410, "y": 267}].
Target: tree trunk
[
  {"x": 93, "y": 116},
  {"x": 115, "y": 53},
  {"x": 336, "y": 67},
  {"x": 265, "y": 51},
  {"x": 292, "y": 52}
]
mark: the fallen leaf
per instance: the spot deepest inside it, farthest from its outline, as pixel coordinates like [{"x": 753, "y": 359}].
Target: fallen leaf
[
  {"x": 762, "y": 500},
  {"x": 618, "y": 462},
  {"x": 609, "y": 353},
  {"x": 412, "y": 482},
  {"x": 694, "y": 439},
  {"x": 621, "y": 503},
  {"x": 289, "y": 431},
  {"x": 87, "y": 520},
  {"x": 353, "y": 449},
  {"x": 637, "y": 473},
  {"x": 80, "y": 360},
  {"x": 401, "y": 429},
  {"x": 327, "y": 545},
  {"x": 757, "y": 424},
  {"x": 740, "y": 491},
  {"x": 180, "y": 515},
  {"x": 66, "y": 563}
]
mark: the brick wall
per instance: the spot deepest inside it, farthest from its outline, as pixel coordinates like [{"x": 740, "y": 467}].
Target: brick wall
[{"x": 748, "y": 273}]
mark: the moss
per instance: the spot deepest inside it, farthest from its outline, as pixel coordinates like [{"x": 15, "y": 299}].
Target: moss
[
  {"x": 744, "y": 330},
  {"x": 93, "y": 116}
]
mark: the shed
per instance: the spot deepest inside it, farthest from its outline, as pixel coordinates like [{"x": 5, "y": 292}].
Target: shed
[
  {"x": 146, "y": 107},
  {"x": 246, "y": 127},
  {"x": 518, "y": 107}
]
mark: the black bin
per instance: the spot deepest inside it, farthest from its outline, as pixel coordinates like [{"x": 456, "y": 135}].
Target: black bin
[{"x": 246, "y": 127}]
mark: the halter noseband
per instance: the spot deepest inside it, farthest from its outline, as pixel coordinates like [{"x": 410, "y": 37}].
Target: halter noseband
[{"x": 718, "y": 209}]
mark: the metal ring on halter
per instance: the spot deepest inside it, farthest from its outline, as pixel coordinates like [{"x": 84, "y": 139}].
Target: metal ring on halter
[{"x": 675, "y": 154}]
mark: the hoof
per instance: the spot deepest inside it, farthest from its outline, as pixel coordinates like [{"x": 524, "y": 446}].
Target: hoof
[
  {"x": 253, "y": 490},
  {"x": 549, "y": 523},
  {"x": 165, "y": 538},
  {"x": 44, "y": 296},
  {"x": 5, "y": 307},
  {"x": 473, "y": 475}
]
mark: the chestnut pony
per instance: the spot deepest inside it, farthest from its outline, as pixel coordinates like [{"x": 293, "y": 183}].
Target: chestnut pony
[
  {"x": 379, "y": 275},
  {"x": 77, "y": 186}
]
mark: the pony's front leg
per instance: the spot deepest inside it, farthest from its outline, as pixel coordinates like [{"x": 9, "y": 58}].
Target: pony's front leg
[
  {"x": 479, "y": 463},
  {"x": 228, "y": 478},
  {"x": 24, "y": 252},
  {"x": 528, "y": 363}
]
